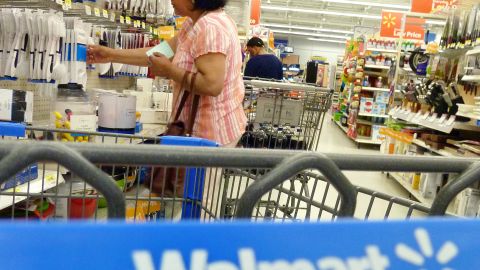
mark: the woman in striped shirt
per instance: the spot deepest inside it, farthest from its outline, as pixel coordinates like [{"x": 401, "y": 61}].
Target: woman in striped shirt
[{"x": 207, "y": 45}]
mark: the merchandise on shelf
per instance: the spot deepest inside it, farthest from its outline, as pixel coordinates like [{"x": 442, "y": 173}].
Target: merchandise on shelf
[
  {"x": 462, "y": 29},
  {"x": 16, "y": 105}
]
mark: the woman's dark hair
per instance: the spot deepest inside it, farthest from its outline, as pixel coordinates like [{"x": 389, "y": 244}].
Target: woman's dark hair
[{"x": 209, "y": 5}]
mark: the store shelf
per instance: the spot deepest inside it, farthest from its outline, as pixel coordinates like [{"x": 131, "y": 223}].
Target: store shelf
[
  {"x": 431, "y": 122},
  {"x": 377, "y": 67},
  {"x": 33, "y": 187},
  {"x": 376, "y": 89},
  {"x": 366, "y": 122},
  {"x": 439, "y": 152},
  {"x": 381, "y": 50},
  {"x": 473, "y": 52},
  {"x": 374, "y": 115},
  {"x": 469, "y": 115},
  {"x": 415, "y": 193},
  {"x": 471, "y": 78},
  {"x": 345, "y": 129},
  {"x": 359, "y": 139},
  {"x": 366, "y": 140}
]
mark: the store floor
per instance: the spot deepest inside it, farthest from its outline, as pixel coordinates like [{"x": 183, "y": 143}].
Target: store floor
[{"x": 334, "y": 140}]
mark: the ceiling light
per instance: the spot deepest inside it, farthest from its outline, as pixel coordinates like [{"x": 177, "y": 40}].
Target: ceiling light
[
  {"x": 369, "y": 4},
  {"x": 325, "y": 12},
  {"x": 308, "y": 34},
  {"x": 326, "y": 40},
  {"x": 320, "y": 29}
]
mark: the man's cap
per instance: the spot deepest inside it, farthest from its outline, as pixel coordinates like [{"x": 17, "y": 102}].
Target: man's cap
[{"x": 255, "y": 42}]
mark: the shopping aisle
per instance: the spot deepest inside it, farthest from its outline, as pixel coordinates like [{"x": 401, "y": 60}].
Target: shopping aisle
[{"x": 333, "y": 140}]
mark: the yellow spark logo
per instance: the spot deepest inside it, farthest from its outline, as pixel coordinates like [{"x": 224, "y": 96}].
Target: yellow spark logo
[{"x": 389, "y": 20}]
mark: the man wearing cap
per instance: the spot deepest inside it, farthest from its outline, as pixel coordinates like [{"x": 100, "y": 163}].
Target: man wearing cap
[{"x": 261, "y": 63}]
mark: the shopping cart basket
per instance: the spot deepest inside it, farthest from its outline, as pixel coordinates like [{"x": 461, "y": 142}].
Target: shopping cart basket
[
  {"x": 279, "y": 185},
  {"x": 284, "y": 115}
]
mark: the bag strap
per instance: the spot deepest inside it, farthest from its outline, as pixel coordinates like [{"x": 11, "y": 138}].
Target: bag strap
[
  {"x": 184, "y": 97},
  {"x": 195, "y": 105}
]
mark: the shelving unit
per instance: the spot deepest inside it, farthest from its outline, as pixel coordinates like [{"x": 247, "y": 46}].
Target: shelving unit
[
  {"x": 431, "y": 122},
  {"x": 33, "y": 187},
  {"x": 439, "y": 152},
  {"x": 374, "y": 115},
  {"x": 376, "y": 89},
  {"x": 471, "y": 78},
  {"x": 414, "y": 192},
  {"x": 469, "y": 115},
  {"x": 381, "y": 50},
  {"x": 359, "y": 139},
  {"x": 377, "y": 67}
]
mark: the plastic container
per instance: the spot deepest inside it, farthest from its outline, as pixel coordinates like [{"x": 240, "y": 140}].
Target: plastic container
[{"x": 74, "y": 101}]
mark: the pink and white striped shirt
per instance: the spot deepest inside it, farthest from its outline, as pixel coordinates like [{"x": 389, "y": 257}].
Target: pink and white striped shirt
[{"x": 222, "y": 118}]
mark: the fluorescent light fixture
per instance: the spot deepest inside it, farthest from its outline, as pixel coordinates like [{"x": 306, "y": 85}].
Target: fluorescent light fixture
[
  {"x": 309, "y": 34},
  {"x": 306, "y": 28},
  {"x": 324, "y": 12},
  {"x": 371, "y": 4},
  {"x": 327, "y": 40}
]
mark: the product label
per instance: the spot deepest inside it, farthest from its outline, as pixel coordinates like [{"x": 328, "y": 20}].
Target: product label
[
  {"x": 96, "y": 11},
  {"x": 6, "y": 99},
  {"x": 105, "y": 14},
  {"x": 83, "y": 122},
  {"x": 128, "y": 20},
  {"x": 68, "y": 3},
  {"x": 143, "y": 25},
  {"x": 122, "y": 19}
]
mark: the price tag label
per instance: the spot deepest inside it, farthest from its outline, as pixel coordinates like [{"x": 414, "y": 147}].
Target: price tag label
[
  {"x": 88, "y": 10},
  {"x": 122, "y": 19},
  {"x": 105, "y": 14},
  {"x": 432, "y": 118},
  {"x": 96, "y": 11},
  {"x": 112, "y": 17},
  {"x": 143, "y": 25},
  {"x": 128, "y": 20},
  {"x": 68, "y": 3}
]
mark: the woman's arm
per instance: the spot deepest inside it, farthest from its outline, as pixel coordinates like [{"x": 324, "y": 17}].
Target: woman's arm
[
  {"x": 210, "y": 77},
  {"x": 137, "y": 57}
]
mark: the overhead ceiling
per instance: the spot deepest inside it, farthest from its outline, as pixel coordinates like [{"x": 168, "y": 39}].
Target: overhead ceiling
[{"x": 329, "y": 19}]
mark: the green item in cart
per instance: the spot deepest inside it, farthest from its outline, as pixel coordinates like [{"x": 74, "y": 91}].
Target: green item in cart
[{"x": 102, "y": 203}]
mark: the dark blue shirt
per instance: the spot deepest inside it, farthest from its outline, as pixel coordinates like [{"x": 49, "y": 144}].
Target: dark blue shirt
[{"x": 264, "y": 66}]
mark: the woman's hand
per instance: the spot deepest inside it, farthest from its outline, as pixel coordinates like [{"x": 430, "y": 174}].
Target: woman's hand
[
  {"x": 160, "y": 65},
  {"x": 99, "y": 54}
]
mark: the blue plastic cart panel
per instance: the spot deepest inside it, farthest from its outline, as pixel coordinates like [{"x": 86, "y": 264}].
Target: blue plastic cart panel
[{"x": 346, "y": 245}]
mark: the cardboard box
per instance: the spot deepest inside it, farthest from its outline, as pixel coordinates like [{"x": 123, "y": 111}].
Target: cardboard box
[
  {"x": 382, "y": 97},
  {"x": 376, "y": 136},
  {"x": 366, "y": 105},
  {"x": 16, "y": 105}
]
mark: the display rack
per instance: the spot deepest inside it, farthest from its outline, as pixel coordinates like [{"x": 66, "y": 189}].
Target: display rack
[{"x": 444, "y": 124}]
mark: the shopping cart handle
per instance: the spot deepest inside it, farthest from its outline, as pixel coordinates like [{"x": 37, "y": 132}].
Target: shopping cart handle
[
  {"x": 287, "y": 169},
  {"x": 24, "y": 154},
  {"x": 453, "y": 188}
]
